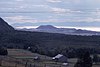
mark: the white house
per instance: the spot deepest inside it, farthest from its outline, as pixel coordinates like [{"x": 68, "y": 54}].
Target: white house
[{"x": 60, "y": 58}]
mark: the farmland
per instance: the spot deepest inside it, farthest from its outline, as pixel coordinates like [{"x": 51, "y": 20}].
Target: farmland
[{"x": 24, "y": 58}]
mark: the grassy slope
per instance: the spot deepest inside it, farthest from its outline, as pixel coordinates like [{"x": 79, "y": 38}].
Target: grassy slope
[{"x": 11, "y": 61}]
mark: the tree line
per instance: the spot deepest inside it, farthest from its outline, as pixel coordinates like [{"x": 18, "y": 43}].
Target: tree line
[{"x": 49, "y": 43}]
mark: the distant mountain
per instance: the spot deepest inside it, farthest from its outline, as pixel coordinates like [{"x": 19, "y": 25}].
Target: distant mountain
[
  {"x": 70, "y": 31},
  {"x": 46, "y": 27},
  {"x": 5, "y": 27}
]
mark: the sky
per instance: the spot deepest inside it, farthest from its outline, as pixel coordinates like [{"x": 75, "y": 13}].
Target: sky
[{"x": 65, "y": 13}]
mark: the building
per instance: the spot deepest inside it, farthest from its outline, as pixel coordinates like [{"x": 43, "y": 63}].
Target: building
[{"x": 60, "y": 58}]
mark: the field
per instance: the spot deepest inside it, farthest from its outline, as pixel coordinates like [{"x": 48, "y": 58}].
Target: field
[{"x": 23, "y": 58}]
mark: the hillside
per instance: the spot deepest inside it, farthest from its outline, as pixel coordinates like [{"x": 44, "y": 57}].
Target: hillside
[
  {"x": 5, "y": 27},
  {"x": 25, "y": 61},
  {"x": 49, "y": 43},
  {"x": 25, "y": 54}
]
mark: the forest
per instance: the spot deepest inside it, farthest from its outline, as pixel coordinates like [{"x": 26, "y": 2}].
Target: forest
[{"x": 50, "y": 44}]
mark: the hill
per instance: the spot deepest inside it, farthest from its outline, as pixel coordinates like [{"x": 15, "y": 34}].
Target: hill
[
  {"x": 12, "y": 61},
  {"x": 5, "y": 27},
  {"x": 46, "y": 27},
  {"x": 69, "y": 31},
  {"x": 48, "y": 43}
]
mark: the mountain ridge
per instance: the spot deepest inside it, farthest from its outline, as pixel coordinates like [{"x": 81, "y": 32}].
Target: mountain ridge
[
  {"x": 46, "y": 27},
  {"x": 5, "y": 27},
  {"x": 70, "y": 31}
]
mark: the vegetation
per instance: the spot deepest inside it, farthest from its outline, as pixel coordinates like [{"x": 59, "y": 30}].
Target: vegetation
[
  {"x": 84, "y": 60},
  {"x": 3, "y": 51},
  {"x": 17, "y": 58},
  {"x": 49, "y": 43},
  {"x": 96, "y": 59}
]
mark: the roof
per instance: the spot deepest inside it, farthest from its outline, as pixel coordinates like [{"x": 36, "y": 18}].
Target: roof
[{"x": 57, "y": 56}]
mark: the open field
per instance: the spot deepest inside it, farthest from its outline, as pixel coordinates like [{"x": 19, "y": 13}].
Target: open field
[{"x": 23, "y": 58}]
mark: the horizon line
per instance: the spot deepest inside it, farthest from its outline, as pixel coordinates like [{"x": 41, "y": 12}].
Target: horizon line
[{"x": 83, "y": 28}]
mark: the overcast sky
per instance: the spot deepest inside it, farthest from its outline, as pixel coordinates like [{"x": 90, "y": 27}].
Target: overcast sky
[{"x": 76, "y": 13}]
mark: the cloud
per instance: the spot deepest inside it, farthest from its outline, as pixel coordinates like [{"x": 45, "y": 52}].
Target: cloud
[
  {"x": 21, "y": 19},
  {"x": 58, "y": 10},
  {"x": 19, "y": 0},
  {"x": 95, "y": 12},
  {"x": 87, "y": 19},
  {"x": 54, "y": 1},
  {"x": 63, "y": 11},
  {"x": 55, "y": 11},
  {"x": 74, "y": 1}
]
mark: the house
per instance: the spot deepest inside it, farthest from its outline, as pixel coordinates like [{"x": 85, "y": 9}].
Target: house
[
  {"x": 36, "y": 58},
  {"x": 60, "y": 58}
]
